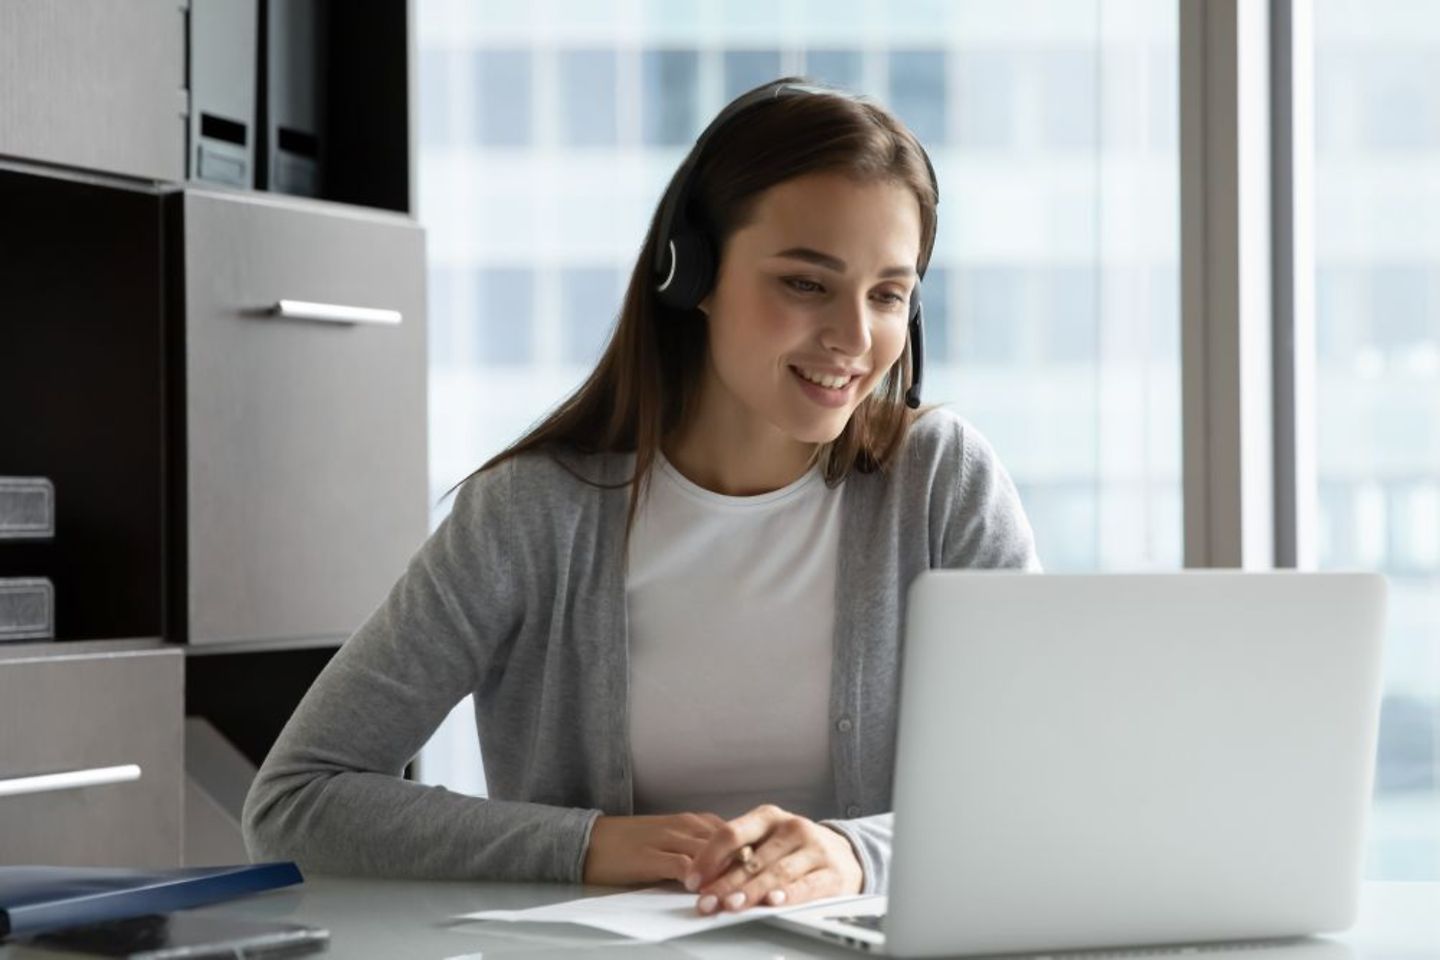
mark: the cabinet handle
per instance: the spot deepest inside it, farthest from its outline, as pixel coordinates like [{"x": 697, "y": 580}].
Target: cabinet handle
[
  {"x": 70, "y": 780},
  {"x": 332, "y": 312}
]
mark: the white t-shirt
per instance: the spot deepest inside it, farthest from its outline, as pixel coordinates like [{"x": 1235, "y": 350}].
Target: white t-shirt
[{"x": 731, "y": 603}]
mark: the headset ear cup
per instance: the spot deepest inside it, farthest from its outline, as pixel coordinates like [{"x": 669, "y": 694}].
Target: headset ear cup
[{"x": 694, "y": 272}]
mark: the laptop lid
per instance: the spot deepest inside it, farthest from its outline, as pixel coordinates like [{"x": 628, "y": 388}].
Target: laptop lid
[{"x": 1110, "y": 760}]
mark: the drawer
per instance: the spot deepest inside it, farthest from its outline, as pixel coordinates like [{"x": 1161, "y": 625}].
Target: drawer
[
  {"x": 95, "y": 84},
  {"x": 305, "y": 438},
  {"x": 73, "y": 713}
]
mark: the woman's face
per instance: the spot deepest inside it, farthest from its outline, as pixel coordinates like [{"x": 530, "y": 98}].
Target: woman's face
[{"x": 815, "y": 287}]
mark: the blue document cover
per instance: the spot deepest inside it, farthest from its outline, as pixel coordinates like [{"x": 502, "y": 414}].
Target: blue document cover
[{"x": 33, "y": 899}]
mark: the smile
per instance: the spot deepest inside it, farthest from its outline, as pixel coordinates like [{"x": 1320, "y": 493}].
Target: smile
[{"x": 824, "y": 380}]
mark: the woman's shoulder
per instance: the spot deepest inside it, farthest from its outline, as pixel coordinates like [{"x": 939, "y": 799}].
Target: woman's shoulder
[
  {"x": 541, "y": 483},
  {"x": 940, "y": 436}
]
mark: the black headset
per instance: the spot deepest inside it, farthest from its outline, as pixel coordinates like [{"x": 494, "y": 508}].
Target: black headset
[{"x": 686, "y": 258}]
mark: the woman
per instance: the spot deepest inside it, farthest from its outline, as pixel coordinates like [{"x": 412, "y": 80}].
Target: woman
[{"x": 679, "y": 599}]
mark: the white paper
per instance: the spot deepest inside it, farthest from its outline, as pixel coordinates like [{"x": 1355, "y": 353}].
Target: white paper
[{"x": 652, "y": 915}]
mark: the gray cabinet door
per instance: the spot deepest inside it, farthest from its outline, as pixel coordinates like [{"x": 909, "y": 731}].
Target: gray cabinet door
[
  {"x": 306, "y": 444},
  {"x": 95, "y": 84},
  {"x": 71, "y": 716}
]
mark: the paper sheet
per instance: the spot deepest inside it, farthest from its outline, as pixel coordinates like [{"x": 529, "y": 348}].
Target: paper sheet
[{"x": 653, "y": 915}]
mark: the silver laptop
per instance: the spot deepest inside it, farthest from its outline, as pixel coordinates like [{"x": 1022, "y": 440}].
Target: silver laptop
[{"x": 1125, "y": 760}]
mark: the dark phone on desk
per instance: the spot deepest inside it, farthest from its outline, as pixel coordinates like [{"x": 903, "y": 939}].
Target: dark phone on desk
[{"x": 185, "y": 935}]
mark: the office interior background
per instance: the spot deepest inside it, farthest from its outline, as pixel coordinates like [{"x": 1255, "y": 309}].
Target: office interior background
[{"x": 547, "y": 131}]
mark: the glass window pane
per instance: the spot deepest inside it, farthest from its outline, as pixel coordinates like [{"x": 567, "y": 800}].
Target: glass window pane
[
  {"x": 502, "y": 97},
  {"x": 1377, "y": 375},
  {"x": 1068, "y": 320},
  {"x": 1071, "y": 102},
  {"x": 986, "y": 89},
  {"x": 838, "y": 68},
  {"x": 918, "y": 93},
  {"x": 587, "y": 98},
  {"x": 748, "y": 69},
  {"x": 935, "y": 295},
  {"x": 670, "y": 97},
  {"x": 444, "y": 324},
  {"x": 505, "y": 297},
  {"x": 989, "y": 316},
  {"x": 434, "y": 96},
  {"x": 591, "y": 300}
]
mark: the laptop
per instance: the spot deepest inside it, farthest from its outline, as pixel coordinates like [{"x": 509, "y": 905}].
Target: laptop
[{"x": 1112, "y": 761}]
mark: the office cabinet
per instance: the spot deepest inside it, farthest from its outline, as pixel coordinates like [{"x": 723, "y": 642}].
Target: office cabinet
[
  {"x": 226, "y": 387},
  {"x": 95, "y": 84},
  {"x": 303, "y": 390},
  {"x": 107, "y": 714}
]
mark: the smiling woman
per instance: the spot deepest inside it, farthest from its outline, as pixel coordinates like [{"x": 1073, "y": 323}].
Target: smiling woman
[
  {"x": 677, "y": 599},
  {"x": 799, "y": 338},
  {"x": 811, "y": 177}
]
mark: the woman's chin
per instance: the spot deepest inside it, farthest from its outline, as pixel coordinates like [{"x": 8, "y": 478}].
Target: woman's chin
[{"x": 820, "y": 431}]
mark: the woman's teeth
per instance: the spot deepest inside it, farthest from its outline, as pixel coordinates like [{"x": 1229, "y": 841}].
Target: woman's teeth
[{"x": 824, "y": 380}]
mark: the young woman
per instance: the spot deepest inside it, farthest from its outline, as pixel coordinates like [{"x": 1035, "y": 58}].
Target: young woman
[{"x": 678, "y": 601}]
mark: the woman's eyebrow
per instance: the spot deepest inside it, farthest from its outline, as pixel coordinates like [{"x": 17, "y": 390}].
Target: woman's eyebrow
[{"x": 835, "y": 263}]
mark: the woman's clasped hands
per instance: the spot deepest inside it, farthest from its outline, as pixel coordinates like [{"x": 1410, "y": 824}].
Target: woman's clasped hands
[{"x": 792, "y": 860}]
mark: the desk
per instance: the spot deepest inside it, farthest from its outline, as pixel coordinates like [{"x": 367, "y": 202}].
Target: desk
[{"x": 393, "y": 919}]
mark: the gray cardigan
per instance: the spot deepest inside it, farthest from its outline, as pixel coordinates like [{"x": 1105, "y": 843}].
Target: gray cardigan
[{"x": 519, "y": 597}]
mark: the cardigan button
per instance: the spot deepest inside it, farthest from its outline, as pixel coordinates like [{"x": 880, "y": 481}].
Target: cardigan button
[
  {"x": 844, "y": 724},
  {"x": 852, "y": 811}
]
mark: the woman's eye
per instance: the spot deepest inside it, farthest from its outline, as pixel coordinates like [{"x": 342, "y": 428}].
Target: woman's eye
[
  {"x": 892, "y": 298},
  {"x": 804, "y": 286}
]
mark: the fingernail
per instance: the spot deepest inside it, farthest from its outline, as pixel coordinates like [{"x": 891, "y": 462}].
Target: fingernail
[
  {"x": 735, "y": 901},
  {"x": 707, "y": 903},
  {"x": 692, "y": 882},
  {"x": 776, "y": 897}
]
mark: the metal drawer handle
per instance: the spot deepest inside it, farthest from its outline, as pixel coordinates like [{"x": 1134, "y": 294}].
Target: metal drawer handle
[
  {"x": 332, "y": 312},
  {"x": 71, "y": 780}
]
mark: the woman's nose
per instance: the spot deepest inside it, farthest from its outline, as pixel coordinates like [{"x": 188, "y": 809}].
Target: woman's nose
[{"x": 847, "y": 328}]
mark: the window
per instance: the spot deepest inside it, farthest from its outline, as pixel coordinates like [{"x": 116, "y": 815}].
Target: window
[
  {"x": 747, "y": 69},
  {"x": 838, "y": 68},
  {"x": 505, "y": 316},
  {"x": 918, "y": 93},
  {"x": 591, "y": 302},
  {"x": 502, "y": 97},
  {"x": 1377, "y": 377},
  {"x": 670, "y": 104},
  {"x": 587, "y": 98}
]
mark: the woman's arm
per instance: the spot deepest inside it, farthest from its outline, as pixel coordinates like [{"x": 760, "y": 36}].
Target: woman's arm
[
  {"x": 870, "y": 838},
  {"x": 330, "y": 794}
]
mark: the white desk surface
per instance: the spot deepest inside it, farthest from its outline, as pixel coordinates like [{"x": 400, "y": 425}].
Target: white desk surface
[{"x": 400, "y": 919}]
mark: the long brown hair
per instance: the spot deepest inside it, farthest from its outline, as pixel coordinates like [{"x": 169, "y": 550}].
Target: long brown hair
[{"x": 646, "y": 383}]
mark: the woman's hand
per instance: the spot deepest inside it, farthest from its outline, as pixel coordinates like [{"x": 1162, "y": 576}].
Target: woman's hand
[
  {"x": 630, "y": 850},
  {"x": 795, "y": 860}
]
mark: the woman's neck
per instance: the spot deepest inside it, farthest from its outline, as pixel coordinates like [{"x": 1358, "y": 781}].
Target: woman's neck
[{"x": 725, "y": 448}]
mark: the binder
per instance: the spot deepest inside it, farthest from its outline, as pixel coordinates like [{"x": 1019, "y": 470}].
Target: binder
[
  {"x": 222, "y": 91},
  {"x": 293, "y": 81},
  {"x": 34, "y": 899}
]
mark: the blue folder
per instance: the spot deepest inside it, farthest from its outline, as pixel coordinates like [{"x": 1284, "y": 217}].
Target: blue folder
[{"x": 34, "y": 899}]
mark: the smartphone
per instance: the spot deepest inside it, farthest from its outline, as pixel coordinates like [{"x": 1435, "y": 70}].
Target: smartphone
[{"x": 185, "y": 936}]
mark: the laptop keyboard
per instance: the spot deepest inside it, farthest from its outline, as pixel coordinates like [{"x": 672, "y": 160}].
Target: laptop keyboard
[{"x": 868, "y": 921}]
